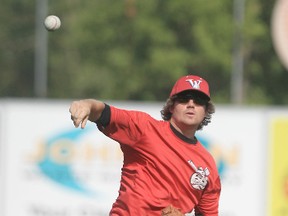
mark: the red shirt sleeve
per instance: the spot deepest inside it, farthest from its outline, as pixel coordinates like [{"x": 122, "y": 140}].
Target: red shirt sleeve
[{"x": 126, "y": 127}]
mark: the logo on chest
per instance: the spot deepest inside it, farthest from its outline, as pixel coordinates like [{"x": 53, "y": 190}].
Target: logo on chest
[{"x": 199, "y": 179}]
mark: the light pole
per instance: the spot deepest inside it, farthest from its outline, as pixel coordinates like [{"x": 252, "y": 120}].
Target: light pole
[
  {"x": 237, "y": 93},
  {"x": 41, "y": 50}
]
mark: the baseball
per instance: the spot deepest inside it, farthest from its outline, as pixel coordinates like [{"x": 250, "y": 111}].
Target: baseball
[{"x": 52, "y": 23}]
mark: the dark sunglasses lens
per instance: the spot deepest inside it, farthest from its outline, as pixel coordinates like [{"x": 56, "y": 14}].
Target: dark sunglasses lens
[
  {"x": 183, "y": 99},
  {"x": 200, "y": 101},
  {"x": 197, "y": 99}
]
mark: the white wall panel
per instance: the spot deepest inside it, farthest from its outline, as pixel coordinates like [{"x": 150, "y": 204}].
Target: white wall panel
[{"x": 48, "y": 167}]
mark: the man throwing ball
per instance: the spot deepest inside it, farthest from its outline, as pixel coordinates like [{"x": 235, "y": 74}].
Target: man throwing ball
[{"x": 166, "y": 170}]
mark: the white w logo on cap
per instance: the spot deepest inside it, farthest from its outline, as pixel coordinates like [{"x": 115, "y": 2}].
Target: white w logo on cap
[{"x": 194, "y": 83}]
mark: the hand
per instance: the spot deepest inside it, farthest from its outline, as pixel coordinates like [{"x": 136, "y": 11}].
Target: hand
[
  {"x": 171, "y": 211},
  {"x": 80, "y": 111}
]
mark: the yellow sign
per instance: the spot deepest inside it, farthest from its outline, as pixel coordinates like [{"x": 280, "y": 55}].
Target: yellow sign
[{"x": 278, "y": 174}]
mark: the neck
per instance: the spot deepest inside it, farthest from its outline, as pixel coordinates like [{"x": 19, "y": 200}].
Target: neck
[{"x": 187, "y": 131}]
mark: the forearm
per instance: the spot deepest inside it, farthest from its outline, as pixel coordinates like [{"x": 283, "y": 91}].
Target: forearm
[{"x": 96, "y": 109}]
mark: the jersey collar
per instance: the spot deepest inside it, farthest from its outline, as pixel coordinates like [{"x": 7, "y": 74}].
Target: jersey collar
[{"x": 182, "y": 137}]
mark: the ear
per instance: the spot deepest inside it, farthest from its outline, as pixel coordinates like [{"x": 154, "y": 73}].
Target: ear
[{"x": 171, "y": 109}]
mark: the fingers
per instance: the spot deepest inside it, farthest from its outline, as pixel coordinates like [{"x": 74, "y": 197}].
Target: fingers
[
  {"x": 77, "y": 121},
  {"x": 84, "y": 122}
]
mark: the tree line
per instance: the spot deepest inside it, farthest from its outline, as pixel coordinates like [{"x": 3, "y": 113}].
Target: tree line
[{"x": 135, "y": 50}]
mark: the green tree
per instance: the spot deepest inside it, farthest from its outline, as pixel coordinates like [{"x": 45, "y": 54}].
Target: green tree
[
  {"x": 16, "y": 48},
  {"x": 135, "y": 50},
  {"x": 265, "y": 76}
]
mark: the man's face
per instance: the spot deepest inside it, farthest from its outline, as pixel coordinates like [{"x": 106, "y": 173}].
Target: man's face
[{"x": 189, "y": 110}]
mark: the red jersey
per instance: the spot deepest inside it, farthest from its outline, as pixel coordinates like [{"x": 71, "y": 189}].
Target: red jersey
[{"x": 161, "y": 167}]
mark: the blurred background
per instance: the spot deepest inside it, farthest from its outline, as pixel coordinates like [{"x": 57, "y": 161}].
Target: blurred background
[
  {"x": 131, "y": 52},
  {"x": 135, "y": 50}
]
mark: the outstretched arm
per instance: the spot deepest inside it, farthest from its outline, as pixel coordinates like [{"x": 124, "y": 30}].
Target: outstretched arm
[{"x": 84, "y": 110}]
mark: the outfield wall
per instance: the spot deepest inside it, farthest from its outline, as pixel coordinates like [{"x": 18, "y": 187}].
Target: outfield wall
[{"x": 47, "y": 167}]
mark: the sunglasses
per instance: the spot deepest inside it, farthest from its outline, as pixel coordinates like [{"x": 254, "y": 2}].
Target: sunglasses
[{"x": 197, "y": 99}]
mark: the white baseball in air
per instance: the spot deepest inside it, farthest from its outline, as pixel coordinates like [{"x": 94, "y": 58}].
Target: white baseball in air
[{"x": 52, "y": 23}]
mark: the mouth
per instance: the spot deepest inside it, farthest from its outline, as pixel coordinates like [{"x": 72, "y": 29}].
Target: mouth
[{"x": 190, "y": 113}]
